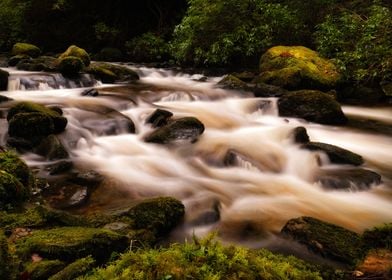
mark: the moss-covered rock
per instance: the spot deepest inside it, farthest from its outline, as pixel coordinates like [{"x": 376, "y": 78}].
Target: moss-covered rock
[
  {"x": 261, "y": 89},
  {"x": 4, "y": 257},
  {"x": 325, "y": 239},
  {"x": 71, "y": 243},
  {"x": 52, "y": 148},
  {"x": 70, "y": 66},
  {"x": 3, "y": 80},
  {"x": 42, "y": 63},
  {"x": 297, "y": 67},
  {"x": 13, "y": 164},
  {"x": 75, "y": 51},
  {"x": 335, "y": 154},
  {"x": 105, "y": 71},
  {"x": 12, "y": 191},
  {"x": 14, "y": 60},
  {"x": 183, "y": 129},
  {"x": 311, "y": 105},
  {"x": 159, "y": 215},
  {"x": 42, "y": 270},
  {"x": 378, "y": 237},
  {"x": 232, "y": 82},
  {"x": 75, "y": 269},
  {"x": 25, "y": 49}
]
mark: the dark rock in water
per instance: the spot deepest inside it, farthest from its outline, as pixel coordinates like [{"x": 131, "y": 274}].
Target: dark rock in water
[
  {"x": 208, "y": 217},
  {"x": 110, "y": 73},
  {"x": 70, "y": 66},
  {"x": 368, "y": 125},
  {"x": 51, "y": 148},
  {"x": 335, "y": 154},
  {"x": 42, "y": 63},
  {"x": 20, "y": 144},
  {"x": 360, "y": 95},
  {"x": 159, "y": 118},
  {"x": 300, "y": 135},
  {"x": 245, "y": 76},
  {"x": 325, "y": 239},
  {"x": 90, "y": 92},
  {"x": 60, "y": 167},
  {"x": 56, "y": 109},
  {"x": 264, "y": 90},
  {"x": 3, "y": 80},
  {"x": 89, "y": 178},
  {"x": 69, "y": 196},
  {"x": 188, "y": 129},
  {"x": 232, "y": 82},
  {"x": 4, "y": 99},
  {"x": 13, "y": 61},
  {"x": 348, "y": 179},
  {"x": 311, "y": 105}
]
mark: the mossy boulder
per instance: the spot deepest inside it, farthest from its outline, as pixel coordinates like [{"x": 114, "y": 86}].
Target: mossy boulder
[
  {"x": 12, "y": 191},
  {"x": 42, "y": 63},
  {"x": 75, "y": 51},
  {"x": 3, "y": 80},
  {"x": 42, "y": 270},
  {"x": 232, "y": 82},
  {"x": 297, "y": 67},
  {"x": 159, "y": 215},
  {"x": 325, "y": 239},
  {"x": 75, "y": 269},
  {"x": 183, "y": 129},
  {"x": 71, "y": 243},
  {"x": 70, "y": 66},
  {"x": 311, "y": 105},
  {"x": 25, "y": 49},
  {"x": 104, "y": 71},
  {"x": 261, "y": 89},
  {"x": 14, "y": 60},
  {"x": 13, "y": 164},
  {"x": 335, "y": 154},
  {"x": 52, "y": 148},
  {"x": 4, "y": 257},
  {"x": 378, "y": 237}
]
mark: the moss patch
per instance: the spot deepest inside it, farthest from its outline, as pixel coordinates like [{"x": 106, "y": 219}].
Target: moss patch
[
  {"x": 27, "y": 49},
  {"x": 75, "y": 51},
  {"x": 75, "y": 269},
  {"x": 12, "y": 191},
  {"x": 42, "y": 270},
  {"x": 70, "y": 66},
  {"x": 13, "y": 164},
  {"x": 104, "y": 71}
]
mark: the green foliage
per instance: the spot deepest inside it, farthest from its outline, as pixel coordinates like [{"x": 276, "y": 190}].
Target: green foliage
[
  {"x": 360, "y": 42},
  {"x": 11, "y": 18},
  {"x": 205, "y": 259},
  {"x": 378, "y": 237},
  {"x": 4, "y": 257},
  {"x": 147, "y": 47},
  {"x": 226, "y": 32}
]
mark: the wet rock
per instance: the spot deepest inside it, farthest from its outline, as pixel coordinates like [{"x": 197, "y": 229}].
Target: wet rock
[
  {"x": 208, "y": 217},
  {"x": 75, "y": 51},
  {"x": 325, "y": 239},
  {"x": 4, "y": 99},
  {"x": 89, "y": 178},
  {"x": 14, "y": 60},
  {"x": 51, "y": 148},
  {"x": 111, "y": 124},
  {"x": 183, "y": 129},
  {"x": 42, "y": 63},
  {"x": 69, "y": 196},
  {"x": 117, "y": 226},
  {"x": 348, "y": 179},
  {"x": 110, "y": 73},
  {"x": 232, "y": 82},
  {"x": 90, "y": 92},
  {"x": 311, "y": 105},
  {"x": 264, "y": 90},
  {"x": 335, "y": 154},
  {"x": 297, "y": 67},
  {"x": 245, "y": 76},
  {"x": 25, "y": 49},
  {"x": 3, "y": 80},
  {"x": 60, "y": 167},
  {"x": 159, "y": 118},
  {"x": 300, "y": 135},
  {"x": 70, "y": 66}
]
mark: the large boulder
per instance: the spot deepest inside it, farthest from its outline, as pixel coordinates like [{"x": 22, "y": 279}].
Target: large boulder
[
  {"x": 75, "y": 51},
  {"x": 25, "y": 49},
  {"x": 110, "y": 73},
  {"x": 311, "y": 105},
  {"x": 42, "y": 63},
  {"x": 70, "y": 66},
  {"x": 335, "y": 154},
  {"x": 297, "y": 67},
  {"x": 183, "y": 129},
  {"x": 3, "y": 80},
  {"x": 325, "y": 239}
]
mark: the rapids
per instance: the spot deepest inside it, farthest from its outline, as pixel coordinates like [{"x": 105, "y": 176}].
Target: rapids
[{"x": 249, "y": 202}]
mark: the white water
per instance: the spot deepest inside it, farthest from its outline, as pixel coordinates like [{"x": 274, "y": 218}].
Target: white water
[{"x": 273, "y": 182}]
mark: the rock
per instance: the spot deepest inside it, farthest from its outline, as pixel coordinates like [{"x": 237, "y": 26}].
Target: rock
[
  {"x": 4, "y": 257},
  {"x": 4, "y": 99},
  {"x": 378, "y": 237},
  {"x": 89, "y": 178},
  {"x": 360, "y": 95},
  {"x": 325, "y": 239},
  {"x": 110, "y": 54},
  {"x": 60, "y": 167},
  {"x": 159, "y": 215},
  {"x": 90, "y": 92},
  {"x": 297, "y": 67},
  {"x": 159, "y": 118},
  {"x": 3, "y": 80},
  {"x": 70, "y": 66},
  {"x": 264, "y": 90},
  {"x": 13, "y": 164},
  {"x": 314, "y": 106},
  {"x": 69, "y": 196},
  {"x": 348, "y": 179},
  {"x": 245, "y": 76},
  {"x": 43, "y": 269},
  {"x": 25, "y": 49},
  {"x": 51, "y": 148},
  {"x": 335, "y": 154},
  {"x": 71, "y": 243},
  {"x": 105, "y": 71},
  {"x": 12, "y": 192},
  {"x": 42, "y": 63},
  {"x": 232, "y": 82},
  {"x": 300, "y": 135},
  {"x": 75, "y": 269},
  {"x": 75, "y": 51},
  {"x": 14, "y": 60},
  {"x": 188, "y": 128}
]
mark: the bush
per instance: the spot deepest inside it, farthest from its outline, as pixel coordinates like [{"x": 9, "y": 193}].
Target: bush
[
  {"x": 360, "y": 42},
  {"x": 11, "y": 18},
  {"x": 228, "y": 32},
  {"x": 147, "y": 47}
]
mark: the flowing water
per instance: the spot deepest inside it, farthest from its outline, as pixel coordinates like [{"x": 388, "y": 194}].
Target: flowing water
[{"x": 272, "y": 182}]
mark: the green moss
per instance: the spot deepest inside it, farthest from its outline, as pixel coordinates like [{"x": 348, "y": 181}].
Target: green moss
[
  {"x": 122, "y": 73},
  {"x": 42, "y": 270},
  {"x": 27, "y": 49},
  {"x": 12, "y": 191},
  {"x": 205, "y": 259},
  {"x": 3, "y": 80},
  {"x": 13, "y": 164},
  {"x": 70, "y": 66},
  {"x": 297, "y": 67},
  {"x": 378, "y": 237},
  {"x": 4, "y": 257},
  {"x": 76, "y": 52},
  {"x": 75, "y": 269},
  {"x": 70, "y": 243},
  {"x": 232, "y": 82},
  {"x": 160, "y": 214},
  {"x": 103, "y": 74},
  {"x": 328, "y": 240}
]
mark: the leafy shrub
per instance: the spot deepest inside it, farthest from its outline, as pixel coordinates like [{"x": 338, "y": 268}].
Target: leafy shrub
[
  {"x": 360, "y": 42},
  {"x": 147, "y": 47},
  {"x": 228, "y": 32},
  {"x": 11, "y": 18}
]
